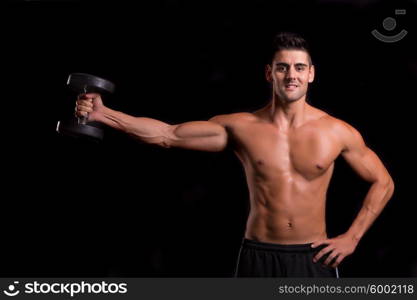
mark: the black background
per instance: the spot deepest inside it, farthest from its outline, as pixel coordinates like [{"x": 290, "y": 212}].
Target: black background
[{"x": 120, "y": 208}]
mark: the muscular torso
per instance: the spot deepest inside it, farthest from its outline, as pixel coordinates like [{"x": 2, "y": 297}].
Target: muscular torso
[{"x": 288, "y": 173}]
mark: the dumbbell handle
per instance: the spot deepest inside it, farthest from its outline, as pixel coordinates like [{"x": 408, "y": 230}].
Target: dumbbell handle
[{"x": 81, "y": 119}]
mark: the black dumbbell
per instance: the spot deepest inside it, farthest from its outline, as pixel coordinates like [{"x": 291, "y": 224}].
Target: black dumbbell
[{"x": 79, "y": 127}]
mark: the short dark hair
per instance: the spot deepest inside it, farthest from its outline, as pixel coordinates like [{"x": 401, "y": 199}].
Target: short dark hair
[{"x": 289, "y": 41}]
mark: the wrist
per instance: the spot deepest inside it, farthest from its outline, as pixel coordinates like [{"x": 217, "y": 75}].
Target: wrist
[
  {"x": 354, "y": 236},
  {"x": 100, "y": 114}
]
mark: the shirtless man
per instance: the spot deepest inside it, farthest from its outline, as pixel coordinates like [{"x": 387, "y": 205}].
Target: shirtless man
[{"x": 288, "y": 149}]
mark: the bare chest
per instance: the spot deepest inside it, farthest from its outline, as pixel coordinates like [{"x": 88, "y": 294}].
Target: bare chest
[{"x": 269, "y": 152}]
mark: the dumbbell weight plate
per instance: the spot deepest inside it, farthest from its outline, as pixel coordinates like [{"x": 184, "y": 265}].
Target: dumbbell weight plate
[
  {"x": 74, "y": 129},
  {"x": 89, "y": 83}
]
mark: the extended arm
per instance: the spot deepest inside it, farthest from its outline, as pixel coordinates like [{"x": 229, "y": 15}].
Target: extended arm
[{"x": 198, "y": 135}]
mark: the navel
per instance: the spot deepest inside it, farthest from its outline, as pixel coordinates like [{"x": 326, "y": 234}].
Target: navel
[{"x": 319, "y": 167}]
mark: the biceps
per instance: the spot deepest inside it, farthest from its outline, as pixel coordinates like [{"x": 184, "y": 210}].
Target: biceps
[
  {"x": 199, "y": 135},
  {"x": 366, "y": 164}
]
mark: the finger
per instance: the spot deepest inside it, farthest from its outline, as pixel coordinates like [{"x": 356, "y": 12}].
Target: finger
[
  {"x": 84, "y": 105},
  {"x": 318, "y": 243},
  {"x": 81, "y": 114},
  {"x": 82, "y": 108},
  {"x": 88, "y": 96},
  {"x": 338, "y": 261},
  {"x": 88, "y": 103},
  {"x": 321, "y": 253},
  {"x": 330, "y": 258}
]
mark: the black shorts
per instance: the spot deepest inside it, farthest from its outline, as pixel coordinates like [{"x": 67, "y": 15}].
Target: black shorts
[{"x": 258, "y": 259}]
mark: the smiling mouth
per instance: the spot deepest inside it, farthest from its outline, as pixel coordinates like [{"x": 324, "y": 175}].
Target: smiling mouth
[{"x": 290, "y": 86}]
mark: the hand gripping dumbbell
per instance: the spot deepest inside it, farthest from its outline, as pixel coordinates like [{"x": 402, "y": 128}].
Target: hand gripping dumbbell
[{"x": 82, "y": 83}]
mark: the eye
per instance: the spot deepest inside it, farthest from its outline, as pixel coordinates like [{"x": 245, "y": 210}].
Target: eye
[
  {"x": 281, "y": 68},
  {"x": 300, "y": 68}
]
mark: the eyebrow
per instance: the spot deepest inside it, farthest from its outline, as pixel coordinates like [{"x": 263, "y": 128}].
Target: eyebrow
[{"x": 287, "y": 65}]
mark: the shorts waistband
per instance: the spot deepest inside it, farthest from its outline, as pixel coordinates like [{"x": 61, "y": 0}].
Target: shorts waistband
[{"x": 278, "y": 247}]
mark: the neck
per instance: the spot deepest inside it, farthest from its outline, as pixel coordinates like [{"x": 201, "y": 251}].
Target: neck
[{"x": 287, "y": 115}]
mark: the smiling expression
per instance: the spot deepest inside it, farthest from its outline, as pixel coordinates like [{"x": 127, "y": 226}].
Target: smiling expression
[{"x": 290, "y": 73}]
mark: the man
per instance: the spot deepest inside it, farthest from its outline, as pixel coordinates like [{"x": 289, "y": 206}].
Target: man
[{"x": 288, "y": 149}]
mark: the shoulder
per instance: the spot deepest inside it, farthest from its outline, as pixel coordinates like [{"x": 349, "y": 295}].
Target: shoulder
[
  {"x": 348, "y": 135},
  {"x": 233, "y": 119},
  {"x": 341, "y": 127}
]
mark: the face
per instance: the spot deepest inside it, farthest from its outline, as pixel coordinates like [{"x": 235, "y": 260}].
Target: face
[{"x": 290, "y": 74}]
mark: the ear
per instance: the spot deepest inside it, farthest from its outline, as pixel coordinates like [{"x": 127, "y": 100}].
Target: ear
[
  {"x": 311, "y": 73},
  {"x": 268, "y": 73}
]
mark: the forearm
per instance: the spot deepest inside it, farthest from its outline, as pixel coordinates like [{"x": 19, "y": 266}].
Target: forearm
[
  {"x": 195, "y": 135},
  {"x": 375, "y": 200},
  {"x": 145, "y": 129}
]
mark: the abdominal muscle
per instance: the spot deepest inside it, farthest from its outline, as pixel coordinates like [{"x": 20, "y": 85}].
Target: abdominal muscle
[{"x": 287, "y": 211}]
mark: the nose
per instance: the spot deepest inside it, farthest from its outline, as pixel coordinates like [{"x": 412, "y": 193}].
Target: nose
[{"x": 290, "y": 75}]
